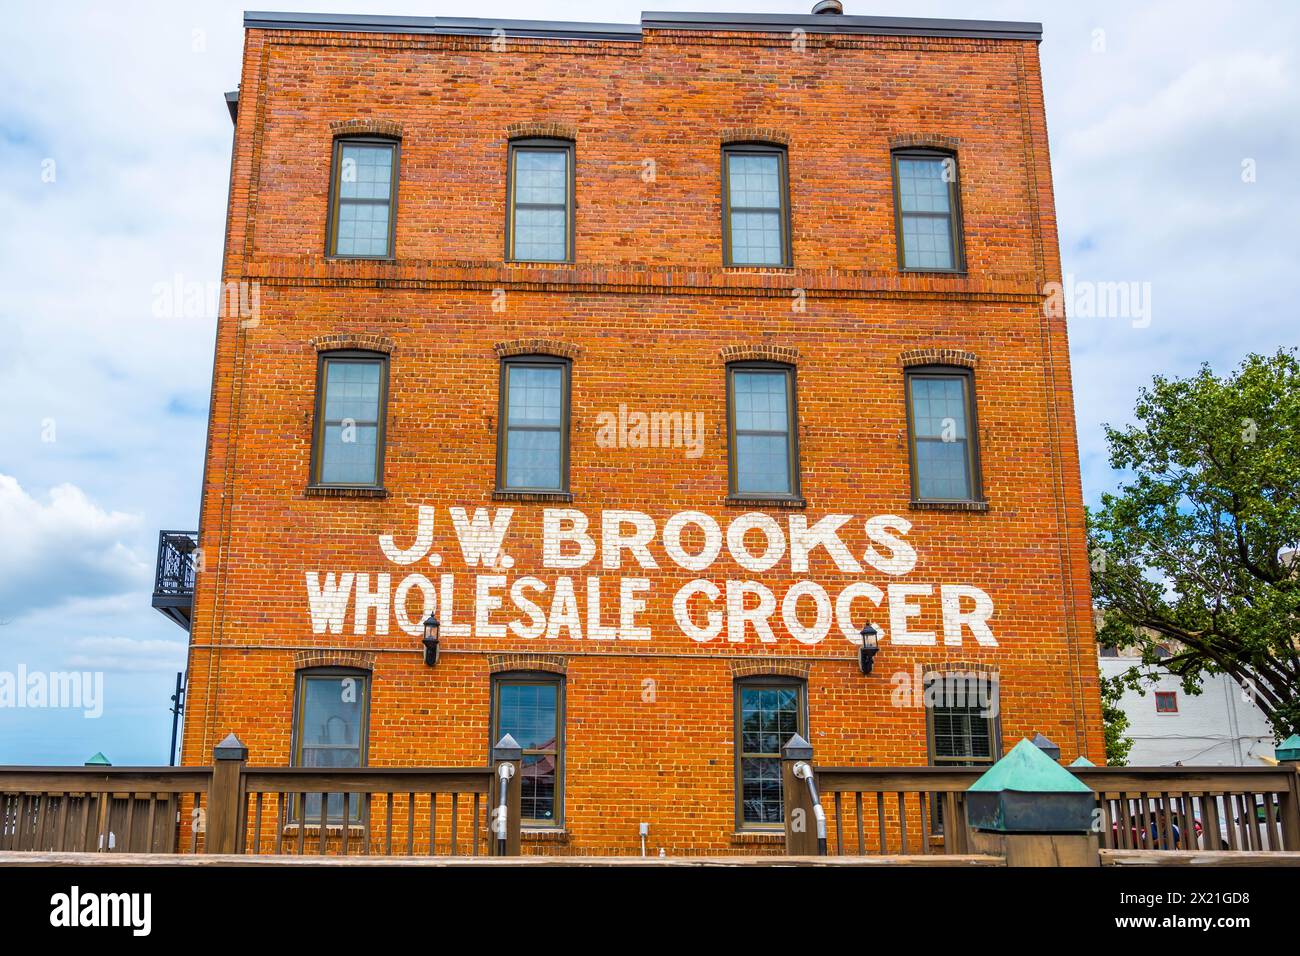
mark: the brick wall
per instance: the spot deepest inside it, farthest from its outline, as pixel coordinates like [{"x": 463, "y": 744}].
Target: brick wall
[{"x": 649, "y": 317}]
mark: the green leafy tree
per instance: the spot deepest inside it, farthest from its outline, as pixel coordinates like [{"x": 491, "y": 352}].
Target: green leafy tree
[
  {"x": 1115, "y": 722},
  {"x": 1198, "y": 543}
]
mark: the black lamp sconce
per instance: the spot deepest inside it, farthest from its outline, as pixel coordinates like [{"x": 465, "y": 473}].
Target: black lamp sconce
[
  {"x": 430, "y": 640},
  {"x": 867, "y": 652}
]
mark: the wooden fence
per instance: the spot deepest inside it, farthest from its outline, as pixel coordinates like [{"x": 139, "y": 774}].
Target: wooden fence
[
  {"x": 232, "y": 808},
  {"x": 922, "y": 810},
  {"x": 99, "y": 809},
  {"x": 1195, "y": 808}
]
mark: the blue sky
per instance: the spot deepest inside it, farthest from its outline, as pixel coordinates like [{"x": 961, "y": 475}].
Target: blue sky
[{"x": 114, "y": 152}]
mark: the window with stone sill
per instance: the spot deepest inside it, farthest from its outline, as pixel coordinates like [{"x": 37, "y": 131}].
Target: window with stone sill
[
  {"x": 363, "y": 198},
  {"x": 942, "y": 434},
  {"x": 349, "y": 431},
  {"x": 927, "y": 208}
]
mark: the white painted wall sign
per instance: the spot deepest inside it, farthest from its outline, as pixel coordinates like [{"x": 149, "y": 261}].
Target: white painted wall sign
[{"x": 603, "y": 606}]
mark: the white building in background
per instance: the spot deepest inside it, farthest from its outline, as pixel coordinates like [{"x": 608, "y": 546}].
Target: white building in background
[{"x": 1221, "y": 726}]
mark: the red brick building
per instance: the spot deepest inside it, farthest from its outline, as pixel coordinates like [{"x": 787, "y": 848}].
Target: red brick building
[{"x": 655, "y": 362}]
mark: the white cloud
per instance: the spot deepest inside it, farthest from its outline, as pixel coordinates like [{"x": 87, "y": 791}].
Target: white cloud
[
  {"x": 126, "y": 654},
  {"x": 63, "y": 547},
  {"x": 1221, "y": 95}
]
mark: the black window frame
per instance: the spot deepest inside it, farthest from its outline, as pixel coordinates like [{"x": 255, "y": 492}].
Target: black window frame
[
  {"x": 956, "y": 231},
  {"x": 323, "y": 360},
  {"x": 534, "y": 360},
  {"x": 792, "y": 423},
  {"x": 758, "y": 682},
  {"x": 336, "y": 172},
  {"x": 783, "y": 161},
  {"x": 935, "y": 823},
  {"x": 295, "y": 814},
  {"x": 994, "y": 721},
  {"x": 518, "y": 677},
  {"x": 973, "y": 460},
  {"x": 543, "y": 144}
]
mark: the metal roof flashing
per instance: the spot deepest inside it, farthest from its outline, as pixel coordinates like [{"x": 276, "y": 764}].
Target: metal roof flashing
[{"x": 653, "y": 20}]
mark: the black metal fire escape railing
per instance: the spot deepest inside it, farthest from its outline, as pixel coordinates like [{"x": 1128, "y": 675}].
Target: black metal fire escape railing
[{"x": 173, "y": 583}]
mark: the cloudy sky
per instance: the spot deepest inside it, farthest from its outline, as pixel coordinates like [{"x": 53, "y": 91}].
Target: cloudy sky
[{"x": 114, "y": 149}]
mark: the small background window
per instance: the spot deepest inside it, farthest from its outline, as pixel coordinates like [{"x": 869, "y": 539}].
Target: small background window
[
  {"x": 541, "y": 201},
  {"x": 940, "y": 421},
  {"x": 962, "y": 728},
  {"x": 1166, "y": 702},
  {"x": 533, "y": 455}
]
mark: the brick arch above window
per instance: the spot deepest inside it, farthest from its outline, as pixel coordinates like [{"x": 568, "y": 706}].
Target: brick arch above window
[
  {"x": 367, "y": 127},
  {"x": 364, "y": 341},
  {"x": 924, "y": 141},
  {"x": 755, "y": 134},
  {"x": 771, "y": 667},
  {"x": 957, "y": 667},
  {"x": 542, "y": 130},
  {"x": 760, "y": 353},
  {"x": 537, "y": 347},
  {"x": 937, "y": 356},
  {"x": 333, "y": 657},
  {"x": 549, "y": 663}
]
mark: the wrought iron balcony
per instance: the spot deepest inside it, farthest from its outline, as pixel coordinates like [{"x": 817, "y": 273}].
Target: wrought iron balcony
[{"x": 173, "y": 583}]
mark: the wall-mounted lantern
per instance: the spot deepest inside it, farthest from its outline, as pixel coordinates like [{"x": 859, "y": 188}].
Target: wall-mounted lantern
[
  {"x": 867, "y": 652},
  {"x": 430, "y": 640}
]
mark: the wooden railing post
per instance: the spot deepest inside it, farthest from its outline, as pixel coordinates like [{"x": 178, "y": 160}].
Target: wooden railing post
[
  {"x": 225, "y": 797},
  {"x": 1030, "y": 810},
  {"x": 800, "y": 821},
  {"x": 507, "y": 766},
  {"x": 1288, "y": 757}
]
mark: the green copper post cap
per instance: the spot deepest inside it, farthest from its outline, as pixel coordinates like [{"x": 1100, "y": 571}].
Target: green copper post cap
[
  {"x": 1029, "y": 792},
  {"x": 1289, "y": 749}
]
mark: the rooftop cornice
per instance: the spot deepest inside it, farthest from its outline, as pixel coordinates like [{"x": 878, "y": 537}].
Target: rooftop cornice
[{"x": 654, "y": 20}]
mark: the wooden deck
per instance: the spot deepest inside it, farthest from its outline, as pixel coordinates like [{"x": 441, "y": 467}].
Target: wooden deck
[
  {"x": 35, "y": 858},
  {"x": 1199, "y": 858}
]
